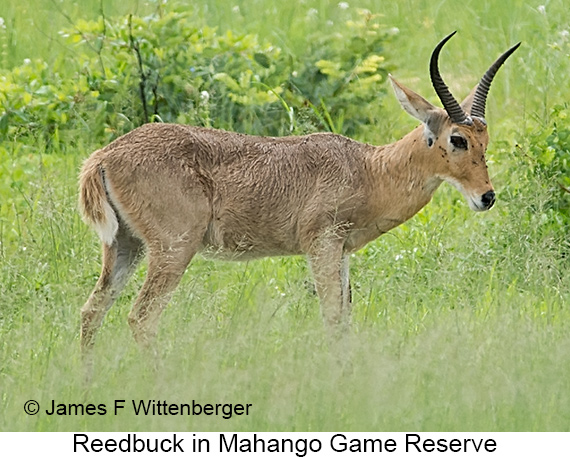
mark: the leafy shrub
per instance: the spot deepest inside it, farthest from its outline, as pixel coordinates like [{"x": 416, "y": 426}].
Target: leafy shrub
[
  {"x": 343, "y": 73},
  {"x": 551, "y": 146},
  {"x": 37, "y": 99},
  {"x": 549, "y": 151},
  {"x": 167, "y": 68}
]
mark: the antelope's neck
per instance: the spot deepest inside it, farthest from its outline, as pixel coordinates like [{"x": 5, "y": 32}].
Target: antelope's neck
[{"x": 403, "y": 179}]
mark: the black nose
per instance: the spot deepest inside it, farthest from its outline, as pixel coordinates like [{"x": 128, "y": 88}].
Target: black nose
[{"x": 488, "y": 199}]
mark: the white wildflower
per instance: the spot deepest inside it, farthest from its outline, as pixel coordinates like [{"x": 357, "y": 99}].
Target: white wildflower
[
  {"x": 204, "y": 96},
  {"x": 541, "y": 9},
  {"x": 343, "y": 5},
  {"x": 235, "y": 9}
]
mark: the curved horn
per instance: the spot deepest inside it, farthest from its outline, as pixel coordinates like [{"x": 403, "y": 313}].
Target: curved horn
[
  {"x": 453, "y": 109},
  {"x": 480, "y": 97}
]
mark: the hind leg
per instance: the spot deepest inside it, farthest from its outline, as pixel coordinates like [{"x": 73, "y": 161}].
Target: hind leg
[
  {"x": 119, "y": 262},
  {"x": 172, "y": 225},
  {"x": 166, "y": 265}
]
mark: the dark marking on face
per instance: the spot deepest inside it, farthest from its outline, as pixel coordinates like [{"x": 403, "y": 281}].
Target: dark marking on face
[{"x": 459, "y": 142}]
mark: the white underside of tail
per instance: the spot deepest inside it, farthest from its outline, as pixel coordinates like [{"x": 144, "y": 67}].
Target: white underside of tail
[{"x": 107, "y": 229}]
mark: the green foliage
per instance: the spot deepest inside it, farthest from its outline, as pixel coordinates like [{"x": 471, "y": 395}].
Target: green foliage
[
  {"x": 37, "y": 101},
  {"x": 551, "y": 145},
  {"x": 167, "y": 67},
  {"x": 549, "y": 154},
  {"x": 3, "y": 44},
  {"x": 343, "y": 73}
]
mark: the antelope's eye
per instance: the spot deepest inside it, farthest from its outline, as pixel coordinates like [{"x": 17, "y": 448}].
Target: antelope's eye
[{"x": 458, "y": 142}]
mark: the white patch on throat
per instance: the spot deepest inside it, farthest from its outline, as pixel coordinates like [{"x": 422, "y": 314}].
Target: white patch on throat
[{"x": 474, "y": 202}]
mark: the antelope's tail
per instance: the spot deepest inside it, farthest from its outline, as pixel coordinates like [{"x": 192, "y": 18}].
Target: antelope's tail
[{"x": 94, "y": 201}]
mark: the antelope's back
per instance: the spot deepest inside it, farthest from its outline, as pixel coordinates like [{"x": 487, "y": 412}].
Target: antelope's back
[
  {"x": 268, "y": 195},
  {"x": 282, "y": 192}
]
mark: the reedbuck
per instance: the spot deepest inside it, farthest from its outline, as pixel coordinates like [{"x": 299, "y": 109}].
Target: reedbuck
[{"x": 171, "y": 191}]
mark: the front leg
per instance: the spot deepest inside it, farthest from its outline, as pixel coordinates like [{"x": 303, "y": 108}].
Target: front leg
[{"x": 330, "y": 268}]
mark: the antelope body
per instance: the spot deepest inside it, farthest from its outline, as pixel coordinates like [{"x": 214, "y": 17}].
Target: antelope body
[{"x": 173, "y": 191}]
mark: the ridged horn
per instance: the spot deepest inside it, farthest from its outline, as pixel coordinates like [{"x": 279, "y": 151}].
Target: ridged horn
[
  {"x": 451, "y": 106},
  {"x": 480, "y": 96}
]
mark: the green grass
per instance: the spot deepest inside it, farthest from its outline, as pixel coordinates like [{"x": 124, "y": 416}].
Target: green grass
[{"x": 460, "y": 322}]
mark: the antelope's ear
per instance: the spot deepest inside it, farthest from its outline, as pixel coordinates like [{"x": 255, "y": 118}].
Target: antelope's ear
[{"x": 414, "y": 104}]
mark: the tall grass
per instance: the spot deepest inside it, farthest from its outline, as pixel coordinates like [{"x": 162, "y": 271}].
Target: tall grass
[{"x": 460, "y": 320}]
